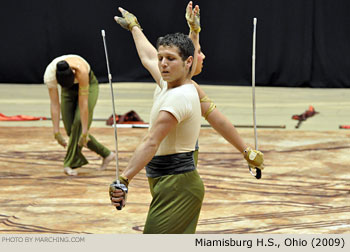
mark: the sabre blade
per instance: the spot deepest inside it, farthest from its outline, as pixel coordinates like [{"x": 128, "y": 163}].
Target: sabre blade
[
  {"x": 257, "y": 173},
  {"x": 114, "y": 120},
  {"x": 253, "y": 82}
]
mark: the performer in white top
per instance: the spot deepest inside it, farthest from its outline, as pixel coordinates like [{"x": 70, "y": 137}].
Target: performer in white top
[
  {"x": 79, "y": 93},
  {"x": 50, "y": 73},
  {"x": 170, "y": 210},
  {"x": 167, "y": 150}
]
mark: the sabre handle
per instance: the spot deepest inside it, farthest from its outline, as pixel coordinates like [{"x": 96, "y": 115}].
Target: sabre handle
[
  {"x": 257, "y": 173},
  {"x": 116, "y": 185}
]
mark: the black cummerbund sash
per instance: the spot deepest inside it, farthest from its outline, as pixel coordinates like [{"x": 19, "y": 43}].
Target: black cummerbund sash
[{"x": 170, "y": 164}]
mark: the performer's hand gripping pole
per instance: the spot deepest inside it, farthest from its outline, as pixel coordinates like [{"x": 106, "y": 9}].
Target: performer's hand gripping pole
[
  {"x": 257, "y": 173},
  {"x": 116, "y": 184}
]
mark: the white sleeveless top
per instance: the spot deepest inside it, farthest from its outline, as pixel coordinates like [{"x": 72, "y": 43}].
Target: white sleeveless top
[{"x": 50, "y": 72}]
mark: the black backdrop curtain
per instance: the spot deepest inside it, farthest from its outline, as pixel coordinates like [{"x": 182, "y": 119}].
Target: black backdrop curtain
[{"x": 300, "y": 43}]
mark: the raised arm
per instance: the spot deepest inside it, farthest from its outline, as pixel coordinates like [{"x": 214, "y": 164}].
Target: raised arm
[
  {"x": 216, "y": 119},
  {"x": 146, "y": 51},
  {"x": 193, "y": 21},
  {"x": 209, "y": 111}
]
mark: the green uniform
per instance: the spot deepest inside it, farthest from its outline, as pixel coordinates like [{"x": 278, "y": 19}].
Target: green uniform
[
  {"x": 176, "y": 204},
  {"x": 72, "y": 123}
]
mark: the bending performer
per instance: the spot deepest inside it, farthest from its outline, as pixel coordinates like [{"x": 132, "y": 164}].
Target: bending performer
[{"x": 79, "y": 93}]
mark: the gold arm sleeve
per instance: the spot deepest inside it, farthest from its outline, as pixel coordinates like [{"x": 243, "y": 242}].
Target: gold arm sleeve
[
  {"x": 84, "y": 90},
  {"x": 211, "y": 107}
]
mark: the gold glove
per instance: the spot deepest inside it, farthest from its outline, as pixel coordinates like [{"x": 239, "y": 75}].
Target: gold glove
[
  {"x": 193, "y": 18},
  {"x": 83, "y": 140},
  {"x": 60, "y": 139},
  {"x": 254, "y": 158},
  {"x": 128, "y": 21}
]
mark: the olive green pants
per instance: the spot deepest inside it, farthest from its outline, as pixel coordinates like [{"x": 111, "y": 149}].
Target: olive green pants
[
  {"x": 195, "y": 157},
  {"x": 176, "y": 204},
  {"x": 72, "y": 123}
]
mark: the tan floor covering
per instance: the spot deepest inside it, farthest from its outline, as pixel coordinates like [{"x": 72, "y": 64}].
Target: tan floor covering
[{"x": 305, "y": 187}]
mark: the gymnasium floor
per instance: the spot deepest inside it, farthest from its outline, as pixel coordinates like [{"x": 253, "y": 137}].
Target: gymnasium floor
[{"x": 304, "y": 188}]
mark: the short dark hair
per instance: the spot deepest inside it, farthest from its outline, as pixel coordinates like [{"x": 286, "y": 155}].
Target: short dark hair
[
  {"x": 181, "y": 41},
  {"x": 64, "y": 74}
]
